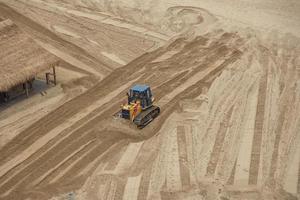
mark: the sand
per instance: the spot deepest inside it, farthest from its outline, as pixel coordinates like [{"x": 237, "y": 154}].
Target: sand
[{"x": 225, "y": 75}]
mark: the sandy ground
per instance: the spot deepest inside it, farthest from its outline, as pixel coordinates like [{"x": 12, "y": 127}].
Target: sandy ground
[{"x": 226, "y": 81}]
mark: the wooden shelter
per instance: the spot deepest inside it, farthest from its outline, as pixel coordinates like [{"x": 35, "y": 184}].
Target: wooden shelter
[{"x": 21, "y": 59}]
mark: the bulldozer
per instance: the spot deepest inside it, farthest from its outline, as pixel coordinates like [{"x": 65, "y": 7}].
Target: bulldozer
[{"x": 139, "y": 107}]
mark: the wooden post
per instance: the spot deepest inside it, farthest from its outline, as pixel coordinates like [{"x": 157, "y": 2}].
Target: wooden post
[
  {"x": 26, "y": 89},
  {"x": 4, "y": 97},
  {"x": 54, "y": 75},
  {"x": 47, "y": 78},
  {"x": 31, "y": 84}
]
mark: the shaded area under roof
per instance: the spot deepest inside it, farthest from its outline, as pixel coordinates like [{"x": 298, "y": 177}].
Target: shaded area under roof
[{"x": 21, "y": 57}]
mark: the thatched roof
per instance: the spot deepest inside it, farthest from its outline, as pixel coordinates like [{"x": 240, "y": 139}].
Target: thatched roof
[{"x": 21, "y": 57}]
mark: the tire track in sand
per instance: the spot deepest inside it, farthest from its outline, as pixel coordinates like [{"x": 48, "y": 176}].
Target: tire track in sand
[
  {"x": 145, "y": 182},
  {"x": 258, "y": 129},
  {"x": 219, "y": 141},
  {"x": 288, "y": 97},
  {"x": 298, "y": 186},
  {"x": 183, "y": 162}
]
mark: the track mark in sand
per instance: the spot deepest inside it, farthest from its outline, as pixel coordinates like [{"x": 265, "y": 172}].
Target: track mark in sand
[
  {"x": 40, "y": 179},
  {"x": 112, "y": 163},
  {"x": 147, "y": 154},
  {"x": 258, "y": 129},
  {"x": 192, "y": 138},
  {"x": 68, "y": 164},
  {"x": 132, "y": 188},
  {"x": 85, "y": 159},
  {"x": 70, "y": 59},
  {"x": 145, "y": 182},
  {"x": 38, "y": 161},
  {"x": 216, "y": 66},
  {"x": 129, "y": 156},
  {"x": 113, "y": 57},
  {"x": 87, "y": 15},
  {"x": 120, "y": 188},
  {"x": 244, "y": 157},
  {"x": 173, "y": 179},
  {"x": 298, "y": 187},
  {"x": 54, "y": 132},
  {"x": 65, "y": 31},
  {"x": 288, "y": 97},
  {"x": 183, "y": 163},
  {"x": 105, "y": 18},
  {"x": 232, "y": 175},
  {"x": 292, "y": 179},
  {"x": 110, "y": 195},
  {"x": 27, "y": 176},
  {"x": 218, "y": 145},
  {"x": 101, "y": 161}
]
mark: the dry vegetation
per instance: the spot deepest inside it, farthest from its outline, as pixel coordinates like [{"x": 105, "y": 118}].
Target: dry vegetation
[{"x": 21, "y": 57}]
